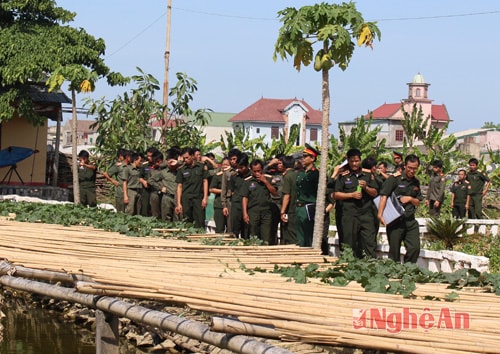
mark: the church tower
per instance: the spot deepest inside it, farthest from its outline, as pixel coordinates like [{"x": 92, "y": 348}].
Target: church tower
[{"x": 418, "y": 90}]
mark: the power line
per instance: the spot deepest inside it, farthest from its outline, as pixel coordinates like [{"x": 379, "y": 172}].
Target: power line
[
  {"x": 439, "y": 16},
  {"x": 275, "y": 19}
]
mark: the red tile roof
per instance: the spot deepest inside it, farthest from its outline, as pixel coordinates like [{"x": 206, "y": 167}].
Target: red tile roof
[
  {"x": 270, "y": 110},
  {"x": 439, "y": 112},
  {"x": 388, "y": 110}
]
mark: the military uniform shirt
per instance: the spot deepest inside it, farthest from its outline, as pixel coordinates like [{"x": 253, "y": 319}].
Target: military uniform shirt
[
  {"x": 477, "y": 179},
  {"x": 132, "y": 175},
  {"x": 307, "y": 186},
  {"x": 165, "y": 178},
  {"x": 461, "y": 190},
  {"x": 257, "y": 193},
  {"x": 117, "y": 172},
  {"x": 86, "y": 177},
  {"x": 236, "y": 185},
  {"x": 348, "y": 182},
  {"x": 402, "y": 186},
  {"x": 217, "y": 184},
  {"x": 289, "y": 187},
  {"x": 437, "y": 184},
  {"x": 192, "y": 179}
]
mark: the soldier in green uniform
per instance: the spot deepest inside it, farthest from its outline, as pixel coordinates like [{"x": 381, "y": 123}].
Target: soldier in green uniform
[
  {"x": 435, "y": 194},
  {"x": 460, "y": 195},
  {"x": 226, "y": 193},
  {"x": 165, "y": 181},
  {"x": 86, "y": 179},
  {"x": 307, "y": 191},
  {"x": 115, "y": 175},
  {"x": 236, "y": 186},
  {"x": 289, "y": 198},
  {"x": 356, "y": 189},
  {"x": 155, "y": 189},
  {"x": 215, "y": 187},
  {"x": 479, "y": 183},
  {"x": 369, "y": 165},
  {"x": 257, "y": 204},
  {"x": 148, "y": 165},
  {"x": 275, "y": 169},
  {"x": 406, "y": 188},
  {"x": 133, "y": 185},
  {"x": 192, "y": 189}
]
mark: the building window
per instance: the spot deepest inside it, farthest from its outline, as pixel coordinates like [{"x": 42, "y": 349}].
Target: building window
[
  {"x": 417, "y": 92},
  {"x": 313, "y": 134},
  {"x": 399, "y": 135},
  {"x": 257, "y": 130},
  {"x": 275, "y": 132}
]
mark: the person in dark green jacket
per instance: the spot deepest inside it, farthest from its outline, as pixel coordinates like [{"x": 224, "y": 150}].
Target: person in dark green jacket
[
  {"x": 306, "y": 192},
  {"x": 257, "y": 204},
  {"x": 479, "y": 183},
  {"x": 192, "y": 189},
  {"x": 215, "y": 187},
  {"x": 87, "y": 172}
]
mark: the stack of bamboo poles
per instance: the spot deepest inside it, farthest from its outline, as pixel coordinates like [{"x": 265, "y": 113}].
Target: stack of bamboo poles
[{"x": 211, "y": 279}]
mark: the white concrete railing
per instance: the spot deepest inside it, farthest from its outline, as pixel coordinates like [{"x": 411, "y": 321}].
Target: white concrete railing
[{"x": 446, "y": 261}]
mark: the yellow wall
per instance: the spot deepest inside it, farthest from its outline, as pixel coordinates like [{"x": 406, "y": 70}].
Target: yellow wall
[{"x": 19, "y": 132}]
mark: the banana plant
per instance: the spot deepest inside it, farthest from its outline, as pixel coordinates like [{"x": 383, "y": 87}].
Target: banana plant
[
  {"x": 284, "y": 145},
  {"x": 242, "y": 141}
]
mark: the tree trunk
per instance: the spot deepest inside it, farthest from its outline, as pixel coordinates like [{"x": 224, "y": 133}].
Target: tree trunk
[
  {"x": 74, "y": 145},
  {"x": 319, "y": 219}
]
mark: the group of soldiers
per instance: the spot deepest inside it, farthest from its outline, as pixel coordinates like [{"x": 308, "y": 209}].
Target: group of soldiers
[{"x": 276, "y": 200}]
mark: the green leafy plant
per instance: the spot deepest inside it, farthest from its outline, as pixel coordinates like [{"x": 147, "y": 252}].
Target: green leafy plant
[{"x": 447, "y": 229}]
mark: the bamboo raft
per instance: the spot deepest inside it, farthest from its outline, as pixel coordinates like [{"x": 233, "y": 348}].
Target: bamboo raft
[{"x": 212, "y": 279}]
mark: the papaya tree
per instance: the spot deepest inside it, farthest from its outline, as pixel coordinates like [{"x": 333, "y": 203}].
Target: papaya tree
[{"x": 326, "y": 35}]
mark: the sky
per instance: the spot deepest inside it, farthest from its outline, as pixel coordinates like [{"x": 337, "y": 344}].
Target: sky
[{"x": 227, "y": 47}]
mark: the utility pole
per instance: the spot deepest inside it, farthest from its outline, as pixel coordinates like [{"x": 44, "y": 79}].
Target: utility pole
[{"x": 167, "y": 60}]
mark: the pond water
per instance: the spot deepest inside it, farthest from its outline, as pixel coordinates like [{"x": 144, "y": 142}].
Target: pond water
[
  {"x": 37, "y": 331},
  {"x": 32, "y": 330}
]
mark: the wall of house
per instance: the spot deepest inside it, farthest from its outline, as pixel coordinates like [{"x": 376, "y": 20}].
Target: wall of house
[{"x": 19, "y": 132}]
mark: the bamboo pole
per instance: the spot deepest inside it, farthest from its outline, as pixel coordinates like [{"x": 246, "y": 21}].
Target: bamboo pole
[{"x": 167, "y": 322}]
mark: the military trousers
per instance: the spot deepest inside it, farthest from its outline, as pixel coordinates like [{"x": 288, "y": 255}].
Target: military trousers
[
  {"x": 406, "y": 231},
  {"x": 260, "y": 225},
  {"x": 303, "y": 227},
  {"x": 288, "y": 230},
  {"x": 359, "y": 233},
  {"x": 476, "y": 206}
]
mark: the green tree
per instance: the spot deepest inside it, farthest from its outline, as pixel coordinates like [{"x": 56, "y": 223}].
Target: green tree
[
  {"x": 334, "y": 28},
  {"x": 127, "y": 120},
  {"x": 184, "y": 127},
  {"x": 489, "y": 125},
  {"x": 35, "y": 43},
  {"x": 36, "y": 47}
]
